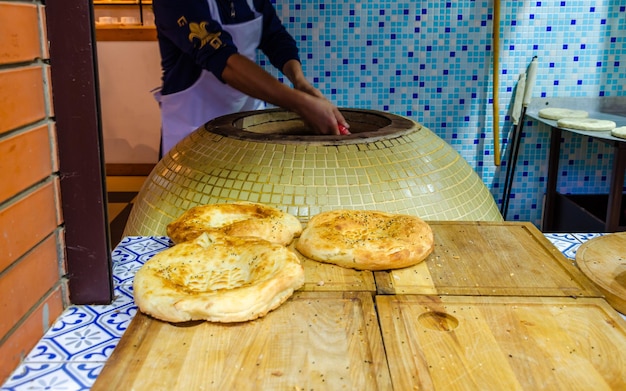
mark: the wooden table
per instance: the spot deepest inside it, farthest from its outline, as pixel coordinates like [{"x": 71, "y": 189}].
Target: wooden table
[
  {"x": 565, "y": 213},
  {"x": 528, "y": 320}
]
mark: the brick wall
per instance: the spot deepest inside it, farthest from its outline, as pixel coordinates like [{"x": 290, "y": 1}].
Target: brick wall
[{"x": 32, "y": 287}]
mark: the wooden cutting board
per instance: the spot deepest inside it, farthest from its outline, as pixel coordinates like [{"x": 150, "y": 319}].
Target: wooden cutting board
[
  {"x": 603, "y": 260},
  {"x": 320, "y": 276},
  {"x": 489, "y": 258},
  {"x": 315, "y": 340},
  {"x": 503, "y": 343}
]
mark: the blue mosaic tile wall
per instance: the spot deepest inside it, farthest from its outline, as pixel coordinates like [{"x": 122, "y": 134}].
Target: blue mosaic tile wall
[{"x": 432, "y": 61}]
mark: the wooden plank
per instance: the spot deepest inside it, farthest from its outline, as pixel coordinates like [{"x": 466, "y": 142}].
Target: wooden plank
[
  {"x": 603, "y": 260},
  {"x": 320, "y": 276},
  {"x": 489, "y": 258},
  {"x": 129, "y": 169},
  {"x": 502, "y": 343},
  {"x": 126, "y": 33},
  {"x": 315, "y": 340}
]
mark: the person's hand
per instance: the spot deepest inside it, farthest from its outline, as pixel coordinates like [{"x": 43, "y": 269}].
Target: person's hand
[
  {"x": 317, "y": 111},
  {"x": 321, "y": 116},
  {"x": 305, "y": 100}
]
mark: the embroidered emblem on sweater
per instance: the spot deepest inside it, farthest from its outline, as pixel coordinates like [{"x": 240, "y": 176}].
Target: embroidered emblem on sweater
[{"x": 200, "y": 32}]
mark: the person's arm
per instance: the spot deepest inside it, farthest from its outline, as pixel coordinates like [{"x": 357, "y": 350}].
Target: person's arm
[
  {"x": 293, "y": 70},
  {"x": 182, "y": 23},
  {"x": 249, "y": 78},
  {"x": 281, "y": 49}
]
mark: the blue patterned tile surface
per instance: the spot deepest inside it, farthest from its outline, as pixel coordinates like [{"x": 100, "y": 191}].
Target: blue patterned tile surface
[
  {"x": 566, "y": 243},
  {"x": 75, "y": 349},
  {"x": 54, "y": 376}
]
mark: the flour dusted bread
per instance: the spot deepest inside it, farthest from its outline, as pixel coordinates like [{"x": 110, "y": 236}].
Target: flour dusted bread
[
  {"x": 366, "y": 239},
  {"x": 218, "y": 278},
  {"x": 556, "y": 113},
  {"x": 236, "y": 219},
  {"x": 586, "y": 124},
  {"x": 619, "y": 132}
]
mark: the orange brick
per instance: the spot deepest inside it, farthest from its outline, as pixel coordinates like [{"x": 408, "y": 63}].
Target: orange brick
[
  {"x": 25, "y": 160},
  {"x": 21, "y": 97},
  {"x": 26, "y": 222},
  {"x": 45, "y": 49},
  {"x": 23, "y": 285},
  {"x": 30, "y": 331},
  {"x": 19, "y": 33}
]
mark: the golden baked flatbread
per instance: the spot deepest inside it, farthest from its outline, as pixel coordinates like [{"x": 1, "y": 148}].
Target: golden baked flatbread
[
  {"x": 366, "y": 239},
  {"x": 236, "y": 219},
  {"x": 217, "y": 278}
]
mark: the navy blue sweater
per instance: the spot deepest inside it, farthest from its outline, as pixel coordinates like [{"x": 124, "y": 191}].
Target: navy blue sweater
[{"x": 183, "y": 55}]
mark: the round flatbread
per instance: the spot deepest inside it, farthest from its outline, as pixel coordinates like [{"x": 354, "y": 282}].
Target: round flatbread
[
  {"x": 217, "y": 278},
  {"x": 586, "y": 124},
  {"x": 619, "y": 132},
  {"x": 366, "y": 240},
  {"x": 236, "y": 219},
  {"x": 556, "y": 113}
]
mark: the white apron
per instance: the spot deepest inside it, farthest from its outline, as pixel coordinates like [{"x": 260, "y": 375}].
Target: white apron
[{"x": 208, "y": 98}]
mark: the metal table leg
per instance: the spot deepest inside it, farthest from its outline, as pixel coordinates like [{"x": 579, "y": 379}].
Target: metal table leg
[
  {"x": 617, "y": 184},
  {"x": 553, "y": 171}
]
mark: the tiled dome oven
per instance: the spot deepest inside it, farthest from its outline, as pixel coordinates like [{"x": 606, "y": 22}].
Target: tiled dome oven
[{"x": 388, "y": 163}]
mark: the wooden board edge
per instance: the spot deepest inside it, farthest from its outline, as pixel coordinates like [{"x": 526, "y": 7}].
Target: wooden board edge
[
  {"x": 439, "y": 301},
  {"x": 384, "y": 283},
  {"x": 568, "y": 265},
  {"x": 615, "y": 300}
]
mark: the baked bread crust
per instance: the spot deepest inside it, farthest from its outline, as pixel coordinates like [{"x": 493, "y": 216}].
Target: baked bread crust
[
  {"x": 366, "y": 239},
  {"x": 217, "y": 278},
  {"x": 236, "y": 219}
]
